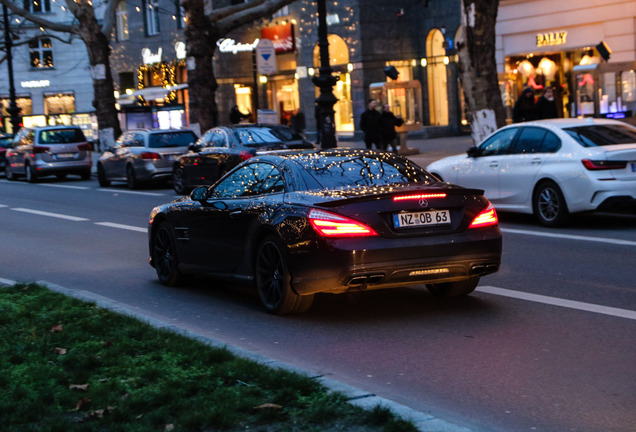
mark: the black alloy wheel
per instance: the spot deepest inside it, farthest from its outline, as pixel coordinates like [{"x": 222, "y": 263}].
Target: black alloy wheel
[
  {"x": 273, "y": 280},
  {"x": 101, "y": 176},
  {"x": 549, "y": 206},
  {"x": 29, "y": 171},
  {"x": 131, "y": 180},
  {"x": 164, "y": 256},
  {"x": 178, "y": 181},
  {"x": 454, "y": 289}
]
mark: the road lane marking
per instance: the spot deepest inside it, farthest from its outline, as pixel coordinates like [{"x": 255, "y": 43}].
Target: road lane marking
[
  {"x": 118, "y": 191},
  {"x": 122, "y": 226},
  {"x": 571, "y": 304},
  {"x": 65, "y": 186},
  {"x": 55, "y": 215},
  {"x": 571, "y": 237}
]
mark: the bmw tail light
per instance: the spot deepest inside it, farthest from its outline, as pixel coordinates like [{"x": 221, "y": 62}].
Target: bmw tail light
[
  {"x": 487, "y": 217},
  {"x": 150, "y": 156},
  {"x": 597, "y": 165},
  {"x": 245, "y": 155},
  {"x": 329, "y": 224}
]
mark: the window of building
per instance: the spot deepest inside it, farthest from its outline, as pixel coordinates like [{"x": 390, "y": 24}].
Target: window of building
[
  {"x": 24, "y": 103},
  {"x": 437, "y": 80},
  {"x": 404, "y": 68},
  {"x": 151, "y": 16},
  {"x": 122, "y": 22},
  {"x": 284, "y": 11},
  {"x": 37, "y": 6},
  {"x": 41, "y": 53},
  {"x": 180, "y": 16},
  {"x": 59, "y": 103},
  {"x": 126, "y": 81}
]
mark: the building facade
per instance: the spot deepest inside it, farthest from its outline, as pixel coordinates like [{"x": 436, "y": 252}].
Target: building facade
[{"x": 585, "y": 49}]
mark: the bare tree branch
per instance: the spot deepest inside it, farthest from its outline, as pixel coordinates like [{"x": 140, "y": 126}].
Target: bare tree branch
[{"x": 56, "y": 26}]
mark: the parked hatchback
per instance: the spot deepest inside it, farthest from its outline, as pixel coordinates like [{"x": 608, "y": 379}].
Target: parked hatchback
[
  {"x": 50, "y": 150},
  {"x": 222, "y": 148},
  {"x": 5, "y": 142},
  {"x": 143, "y": 155}
]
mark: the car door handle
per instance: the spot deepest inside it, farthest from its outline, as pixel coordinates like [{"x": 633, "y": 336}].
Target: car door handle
[
  {"x": 535, "y": 161},
  {"x": 236, "y": 213},
  {"x": 493, "y": 164}
]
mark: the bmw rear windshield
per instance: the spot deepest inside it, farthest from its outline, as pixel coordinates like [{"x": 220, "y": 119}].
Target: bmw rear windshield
[
  {"x": 171, "y": 139},
  {"x": 602, "y": 135},
  {"x": 350, "y": 171},
  {"x": 257, "y": 136}
]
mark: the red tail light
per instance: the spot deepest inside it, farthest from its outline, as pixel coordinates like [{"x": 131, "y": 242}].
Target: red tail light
[
  {"x": 486, "y": 217},
  {"x": 597, "y": 165},
  {"x": 84, "y": 147},
  {"x": 418, "y": 196},
  {"x": 150, "y": 155},
  {"x": 245, "y": 155},
  {"x": 329, "y": 224}
]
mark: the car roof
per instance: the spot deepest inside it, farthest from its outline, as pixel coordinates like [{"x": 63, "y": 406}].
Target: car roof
[
  {"x": 38, "y": 128},
  {"x": 562, "y": 123},
  {"x": 159, "y": 130}
]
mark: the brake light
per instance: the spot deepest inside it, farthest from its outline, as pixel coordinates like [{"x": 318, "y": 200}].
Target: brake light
[
  {"x": 329, "y": 224},
  {"x": 84, "y": 147},
  {"x": 245, "y": 155},
  {"x": 486, "y": 217},
  {"x": 150, "y": 156},
  {"x": 418, "y": 196},
  {"x": 597, "y": 165}
]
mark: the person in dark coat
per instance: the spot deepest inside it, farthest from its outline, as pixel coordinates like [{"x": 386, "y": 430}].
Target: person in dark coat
[
  {"x": 546, "y": 105},
  {"x": 388, "y": 122},
  {"x": 525, "y": 109},
  {"x": 370, "y": 121},
  {"x": 236, "y": 116}
]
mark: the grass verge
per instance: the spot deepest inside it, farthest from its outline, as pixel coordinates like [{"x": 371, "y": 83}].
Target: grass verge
[{"x": 68, "y": 365}]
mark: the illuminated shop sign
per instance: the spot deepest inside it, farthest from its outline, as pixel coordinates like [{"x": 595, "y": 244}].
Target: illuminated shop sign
[
  {"x": 229, "y": 45},
  {"x": 180, "y": 50},
  {"x": 554, "y": 38},
  {"x": 35, "y": 84},
  {"x": 282, "y": 35},
  {"x": 149, "y": 57}
]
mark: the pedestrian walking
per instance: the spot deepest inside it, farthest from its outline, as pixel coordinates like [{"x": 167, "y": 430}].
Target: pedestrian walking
[
  {"x": 370, "y": 124},
  {"x": 525, "y": 109},
  {"x": 388, "y": 122}
]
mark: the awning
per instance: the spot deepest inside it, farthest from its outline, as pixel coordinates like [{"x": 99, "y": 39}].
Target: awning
[{"x": 151, "y": 93}]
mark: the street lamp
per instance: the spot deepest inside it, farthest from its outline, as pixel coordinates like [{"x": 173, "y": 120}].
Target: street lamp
[
  {"x": 325, "y": 82},
  {"x": 13, "y": 109}
]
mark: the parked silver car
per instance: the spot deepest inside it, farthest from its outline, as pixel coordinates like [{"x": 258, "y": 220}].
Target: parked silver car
[
  {"x": 49, "y": 150},
  {"x": 143, "y": 155}
]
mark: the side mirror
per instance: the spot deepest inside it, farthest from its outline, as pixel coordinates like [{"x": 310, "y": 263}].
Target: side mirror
[
  {"x": 199, "y": 194},
  {"x": 473, "y": 152},
  {"x": 194, "y": 147}
]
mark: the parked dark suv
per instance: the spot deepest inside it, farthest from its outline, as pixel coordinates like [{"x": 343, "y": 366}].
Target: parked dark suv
[{"x": 49, "y": 150}]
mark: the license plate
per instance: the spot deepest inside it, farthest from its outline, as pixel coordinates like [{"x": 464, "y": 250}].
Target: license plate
[
  {"x": 64, "y": 155},
  {"x": 415, "y": 219}
]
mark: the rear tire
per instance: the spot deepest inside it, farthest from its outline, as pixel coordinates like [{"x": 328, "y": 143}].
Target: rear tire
[
  {"x": 130, "y": 178},
  {"x": 8, "y": 174},
  {"x": 30, "y": 173},
  {"x": 164, "y": 256},
  {"x": 178, "y": 181},
  {"x": 101, "y": 176},
  {"x": 273, "y": 280},
  {"x": 454, "y": 289},
  {"x": 549, "y": 206}
]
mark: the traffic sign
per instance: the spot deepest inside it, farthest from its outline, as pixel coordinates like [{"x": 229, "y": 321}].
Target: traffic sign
[{"x": 265, "y": 57}]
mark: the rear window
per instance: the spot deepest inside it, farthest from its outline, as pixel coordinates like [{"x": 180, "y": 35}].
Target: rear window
[
  {"x": 171, "y": 139},
  {"x": 602, "y": 135},
  {"x": 61, "y": 136},
  {"x": 338, "y": 172},
  {"x": 253, "y": 137}
]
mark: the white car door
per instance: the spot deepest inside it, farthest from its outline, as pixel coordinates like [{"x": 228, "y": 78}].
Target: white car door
[
  {"x": 520, "y": 169},
  {"x": 481, "y": 170}
]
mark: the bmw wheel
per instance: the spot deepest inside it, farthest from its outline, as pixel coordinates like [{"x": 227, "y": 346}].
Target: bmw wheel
[
  {"x": 164, "y": 256},
  {"x": 454, "y": 289},
  {"x": 273, "y": 280},
  {"x": 549, "y": 206}
]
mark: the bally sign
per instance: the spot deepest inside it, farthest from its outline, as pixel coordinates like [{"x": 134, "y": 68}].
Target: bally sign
[
  {"x": 281, "y": 35},
  {"x": 554, "y": 38}
]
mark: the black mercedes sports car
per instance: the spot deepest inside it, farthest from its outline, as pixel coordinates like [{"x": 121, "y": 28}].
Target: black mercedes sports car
[
  {"x": 300, "y": 223},
  {"x": 222, "y": 148}
]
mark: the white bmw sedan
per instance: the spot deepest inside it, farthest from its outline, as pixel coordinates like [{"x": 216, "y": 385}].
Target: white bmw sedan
[{"x": 551, "y": 168}]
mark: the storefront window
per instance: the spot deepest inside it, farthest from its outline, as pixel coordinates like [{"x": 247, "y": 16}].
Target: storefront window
[
  {"x": 243, "y": 98},
  {"x": 404, "y": 68},
  {"x": 284, "y": 94},
  {"x": 59, "y": 103},
  {"x": 437, "y": 85},
  {"x": 628, "y": 88}
]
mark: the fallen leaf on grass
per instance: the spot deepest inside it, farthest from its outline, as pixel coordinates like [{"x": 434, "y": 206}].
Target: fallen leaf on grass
[
  {"x": 267, "y": 405},
  {"x": 83, "y": 387},
  {"x": 83, "y": 403},
  {"x": 168, "y": 428},
  {"x": 60, "y": 351},
  {"x": 56, "y": 328}
]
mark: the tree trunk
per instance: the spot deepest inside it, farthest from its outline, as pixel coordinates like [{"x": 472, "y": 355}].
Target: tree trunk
[
  {"x": 201, "y": 38},
  {"x": 478, "y": 68},
  {"x": 98, "y": 48}
]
